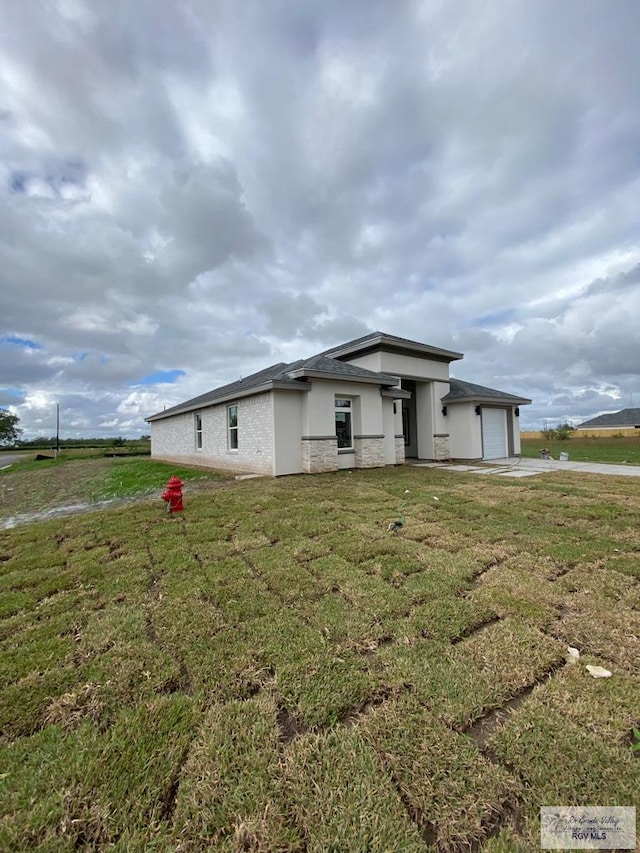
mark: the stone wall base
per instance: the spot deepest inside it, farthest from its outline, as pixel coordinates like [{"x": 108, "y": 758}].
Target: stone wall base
[
  {"x": 319, "y": 455},
  {"x": 441, "y": 448},
  {"x": 400, "y": 455},
  {"x": 369, "y": 452}
]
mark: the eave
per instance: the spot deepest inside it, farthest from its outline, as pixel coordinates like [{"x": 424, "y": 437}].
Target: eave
[{"x": 271, "y": 385}]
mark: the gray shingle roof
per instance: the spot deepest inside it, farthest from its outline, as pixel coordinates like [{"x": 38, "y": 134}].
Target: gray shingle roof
[
  {"x": 460, "y": 391},
  {"x": 324, "y": 364},
  {"x": 624, "y": 418},
  {"x": 233, "y": 388},
  {"x": 374, "y": 339},
  {"x": 286, "y": 375}
]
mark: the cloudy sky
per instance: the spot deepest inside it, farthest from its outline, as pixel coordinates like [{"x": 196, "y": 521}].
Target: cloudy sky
[{"x": 191, "y": 190}]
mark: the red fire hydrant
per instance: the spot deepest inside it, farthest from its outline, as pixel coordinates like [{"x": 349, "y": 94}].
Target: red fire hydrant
[{"x": 173, "y": 495}]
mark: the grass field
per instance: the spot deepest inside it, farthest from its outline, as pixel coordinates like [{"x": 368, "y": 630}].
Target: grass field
[
  {"x": 601, "y": 449},
  {"x": 273, "y": 670},
  {"x": 82, "y": 477}
]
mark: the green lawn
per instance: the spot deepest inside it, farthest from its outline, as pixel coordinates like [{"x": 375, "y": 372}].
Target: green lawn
[
  {"x": 30, "y": 486},
  {"x": 602, "y": 449},
  {"x": 273, "y": 670}
]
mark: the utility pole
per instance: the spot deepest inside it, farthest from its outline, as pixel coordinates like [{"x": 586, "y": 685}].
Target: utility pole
[{"x": 57, "y": 428}]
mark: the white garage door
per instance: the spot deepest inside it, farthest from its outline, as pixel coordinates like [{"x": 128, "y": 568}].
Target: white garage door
[{"x": 494, "y": 434}]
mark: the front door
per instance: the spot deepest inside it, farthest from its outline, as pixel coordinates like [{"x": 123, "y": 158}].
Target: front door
[{"x": 410, "y": 428}]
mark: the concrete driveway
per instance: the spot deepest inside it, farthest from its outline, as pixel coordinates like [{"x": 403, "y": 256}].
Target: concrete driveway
[{"x": 517, "y": 466}]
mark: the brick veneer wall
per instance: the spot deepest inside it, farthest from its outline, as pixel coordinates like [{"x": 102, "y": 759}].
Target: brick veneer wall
[{"x": 174, "y": 438}]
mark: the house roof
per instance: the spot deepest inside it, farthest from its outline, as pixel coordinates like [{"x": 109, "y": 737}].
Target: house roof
[
  {"x": 623, "y": 418},
  {"x": 281, "y": 375},
  {"x": 247, "y": 385},
  {"x": 330, "y": 364},
  {"x": 468, "y": 392},
  {"x": 318, "y": 365},
  {"x": 376, "y": 340}
]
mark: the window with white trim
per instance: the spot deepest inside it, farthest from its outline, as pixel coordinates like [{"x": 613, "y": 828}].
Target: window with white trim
[
  {"x": 344, "y": 423},
  {"x": 232, "y": 427},
  {"x": 198, "y": 428}
]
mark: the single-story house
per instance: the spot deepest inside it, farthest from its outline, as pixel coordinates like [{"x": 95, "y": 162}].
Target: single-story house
[
  {"x": 377, "y": 400},
  {"x": 626, "y": 419}
]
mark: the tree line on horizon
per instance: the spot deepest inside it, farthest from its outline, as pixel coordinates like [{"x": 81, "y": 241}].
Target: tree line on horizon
[{"x": 10, "y": 433}]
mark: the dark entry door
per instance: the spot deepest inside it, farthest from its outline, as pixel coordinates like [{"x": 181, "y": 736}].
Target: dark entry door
[{"x": 410, "y": 428}]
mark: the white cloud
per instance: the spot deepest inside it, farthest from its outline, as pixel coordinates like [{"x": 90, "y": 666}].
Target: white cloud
[{"x": 186, "y": 187}]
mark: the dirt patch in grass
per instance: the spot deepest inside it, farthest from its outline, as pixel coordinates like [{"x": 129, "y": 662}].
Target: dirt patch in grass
[{"x": 35, "y": 488}]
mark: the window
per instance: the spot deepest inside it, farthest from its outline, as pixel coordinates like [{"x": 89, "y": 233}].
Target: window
[
  {"x": 198, "y": 423},
  {"x": 232, "y": 427},
  {"x": 344, "y": 432}
]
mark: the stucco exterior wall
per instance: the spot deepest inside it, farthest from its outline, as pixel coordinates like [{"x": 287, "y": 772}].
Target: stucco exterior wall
[
  {"x": 174, "y": 438},
  {"x": 515, "y": 431},
  {"x": 465, "y": 431},
  {"x": 319, "y": 447},
  {"x": 389, "y": 430},
  {"x": 318, "y": 407},
  {"x": 425, "y": 420},
  {"x": 287, "y": 432},
  {"x": 347, "y": 460},
  {"x": 395, "y": 364}
]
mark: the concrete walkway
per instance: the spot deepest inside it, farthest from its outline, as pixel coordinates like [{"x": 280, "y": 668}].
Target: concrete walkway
[{"x": 518, "y": 467}]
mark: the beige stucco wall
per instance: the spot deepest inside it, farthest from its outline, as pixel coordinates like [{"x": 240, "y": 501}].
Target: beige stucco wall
[
  {"x": 391, "y": 426},
  {"x": 413, "y": 367},
  {"x": 287, "y": 431},
  {"x": 425, "y": 419},
  {"x": 515, "y": 427},
  {"x": 368, "y": 425},
  {"x": 174, "y": 438},
  {"x": 465, "y": 431},
  {"x": 346, "y": 460},
  {"x": 318, "y": 408}
]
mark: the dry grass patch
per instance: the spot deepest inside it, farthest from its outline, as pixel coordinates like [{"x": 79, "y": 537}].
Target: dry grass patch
[
  {"x": 519, "y": 587},
  {"x": 71, "y": 709},
  {"x": 461, "y": 683},
  {"x": 275, "y": 670},
  {"x": 230, "y": 794},
  {"x": 342, "y": 798},
  {"x": 584, "y": 767},
  {"x": 453, "y": 794}
]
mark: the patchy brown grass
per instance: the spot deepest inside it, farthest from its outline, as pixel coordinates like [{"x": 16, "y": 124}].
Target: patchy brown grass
[{"x": 274, "y": 670}]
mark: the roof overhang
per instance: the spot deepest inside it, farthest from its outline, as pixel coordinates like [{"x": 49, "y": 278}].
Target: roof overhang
[
  {"x": 395, "y": 393},
  {"x": 271, "y": 385},
  {"x": 480, "y": 398},
  {"x": 375, "y": 379},
  {"x": 394, "y": 345}
]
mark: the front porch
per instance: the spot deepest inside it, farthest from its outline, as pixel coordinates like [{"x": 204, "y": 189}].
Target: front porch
[{"x": 424, "y": 421}]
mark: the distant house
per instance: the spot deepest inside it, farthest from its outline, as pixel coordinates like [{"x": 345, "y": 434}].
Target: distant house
[
  {"x": 373, "y": 401},
  {"x": 626, "y": 419}
]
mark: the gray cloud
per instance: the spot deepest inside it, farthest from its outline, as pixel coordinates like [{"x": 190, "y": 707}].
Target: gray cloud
[{"x": 186, "y": 187}]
